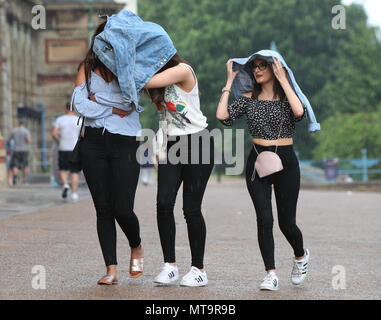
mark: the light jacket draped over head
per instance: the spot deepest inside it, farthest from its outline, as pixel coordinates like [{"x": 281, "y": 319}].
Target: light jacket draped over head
[
  {"x": 244, "y": 81},
  {"x": 134, "y": 50}
]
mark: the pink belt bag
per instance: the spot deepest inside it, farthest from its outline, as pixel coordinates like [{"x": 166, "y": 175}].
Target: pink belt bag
[{"x": 267, "y": 162}]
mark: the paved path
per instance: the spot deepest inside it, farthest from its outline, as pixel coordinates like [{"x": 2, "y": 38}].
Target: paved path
[
  {"x": 339, "y": 228},
  {"x": 25, "y": 198}
]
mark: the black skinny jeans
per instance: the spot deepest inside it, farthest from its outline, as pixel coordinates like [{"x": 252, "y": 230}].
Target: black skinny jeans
[
  {"x": 112, "y": 172},
  {"x": 286, "y": 188},
  {"x": 195, "y": 178}
]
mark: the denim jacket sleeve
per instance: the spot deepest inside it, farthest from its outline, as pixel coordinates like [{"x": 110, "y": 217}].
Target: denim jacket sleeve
[{"x": 87, "y": 108}]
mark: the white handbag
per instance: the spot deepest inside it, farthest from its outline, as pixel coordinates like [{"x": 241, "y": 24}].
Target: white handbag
[{"x": 160, "y": 140}]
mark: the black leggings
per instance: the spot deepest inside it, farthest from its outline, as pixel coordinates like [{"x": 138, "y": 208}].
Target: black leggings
[
  {"x": 195, "y": 178},
  {"x": 112, "y": 171},
  {"x": 286, "y": 187}
]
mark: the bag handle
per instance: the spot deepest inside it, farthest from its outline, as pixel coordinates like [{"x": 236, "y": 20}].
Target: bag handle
[
  {"x": 83, "y": 118},
  {"x": 83, "y": 121},
  {"x": 280, "y": 130}
]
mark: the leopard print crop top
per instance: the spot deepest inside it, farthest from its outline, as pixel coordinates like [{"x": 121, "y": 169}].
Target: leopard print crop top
[{"x": 264, "y": 117}]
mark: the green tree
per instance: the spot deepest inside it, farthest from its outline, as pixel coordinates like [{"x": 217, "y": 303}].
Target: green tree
[
  {"x": 358, "y": 130},
  {"x": 338, "y": 70},
  {"x": 354, "y": 83}
]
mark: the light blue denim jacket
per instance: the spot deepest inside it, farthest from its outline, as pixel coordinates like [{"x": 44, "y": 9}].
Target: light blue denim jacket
[
  {"x": 134, "y": 50},
  {"x": 99, "y": 114},
  {"x": 243, "y": 82}
]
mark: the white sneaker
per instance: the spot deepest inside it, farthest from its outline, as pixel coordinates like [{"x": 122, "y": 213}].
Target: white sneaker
[
  {"x": 194, "y": 278},
  {"x": 270, "y": 282},
  {"x": 74, "y": 196},
  {"x": 299, "y": 271},
  {"x": 168, "y": 274}
]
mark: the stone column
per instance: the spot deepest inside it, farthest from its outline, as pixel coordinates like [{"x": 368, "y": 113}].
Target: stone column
[
  {"x": 3, "y": 167},
  {"x": 5, "y": 80}
]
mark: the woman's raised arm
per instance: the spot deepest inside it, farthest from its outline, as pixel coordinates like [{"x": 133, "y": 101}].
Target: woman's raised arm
[{"x": 177, "y": 74}]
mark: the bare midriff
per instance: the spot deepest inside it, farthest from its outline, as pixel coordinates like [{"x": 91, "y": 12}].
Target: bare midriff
[{"x": 279, "y": 142}]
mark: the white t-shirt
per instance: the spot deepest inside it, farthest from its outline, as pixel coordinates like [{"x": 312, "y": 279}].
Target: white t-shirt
[{"x": 68, "y": 131}]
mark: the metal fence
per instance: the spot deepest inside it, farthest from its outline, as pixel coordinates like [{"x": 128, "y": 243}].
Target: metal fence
[
  {"x": 317, "y": 171},
  {"x": 343, "y": 170}
]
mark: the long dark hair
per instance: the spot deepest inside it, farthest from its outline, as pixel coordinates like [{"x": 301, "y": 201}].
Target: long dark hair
[
  {"x": 92, "y": 62},
  {"x": 157, "y": 94},
  {"x": 277, "y": 88}
]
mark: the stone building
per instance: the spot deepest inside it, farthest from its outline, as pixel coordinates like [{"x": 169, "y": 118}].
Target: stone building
[
  {"x": 38, "y": 65},
  {"x": 18, "y": 86}
]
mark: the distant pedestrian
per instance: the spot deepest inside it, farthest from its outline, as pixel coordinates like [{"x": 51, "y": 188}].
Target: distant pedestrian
[
  {"x": 347, "y": 178},
  {"x": 65, "y": 132},
  {"x": 19, "y": 160},
  {"x": 331, "y": 170}
]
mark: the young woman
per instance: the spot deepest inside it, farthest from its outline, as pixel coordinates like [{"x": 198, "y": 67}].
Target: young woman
[
  {"x": 271, "y": 109},
  {"x": 108, "y": 154},
  {"x": 174, "y": 90}
]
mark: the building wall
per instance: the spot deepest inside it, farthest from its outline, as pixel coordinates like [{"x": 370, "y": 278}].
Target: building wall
[
  {"x": 40, "y": 66},
  {"x": 18, "y": 70},
  {"x": 61, "y": 47}
]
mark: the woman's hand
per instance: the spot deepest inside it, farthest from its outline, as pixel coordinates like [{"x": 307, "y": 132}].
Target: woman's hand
[
  {"x": 279, "y": 70},
  {"x": 92, "y": 98},
  {"x": 293, "y": 99},
  {"x": 229, "y": 70},
  {"x": 222, "y": 108},
  {"x": 121, "y": 112}
]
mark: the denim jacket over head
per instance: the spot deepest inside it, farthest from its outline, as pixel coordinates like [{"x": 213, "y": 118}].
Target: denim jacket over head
[
  {"x": 244, "y": 80},
  {"x": 134, "y": 50}
]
